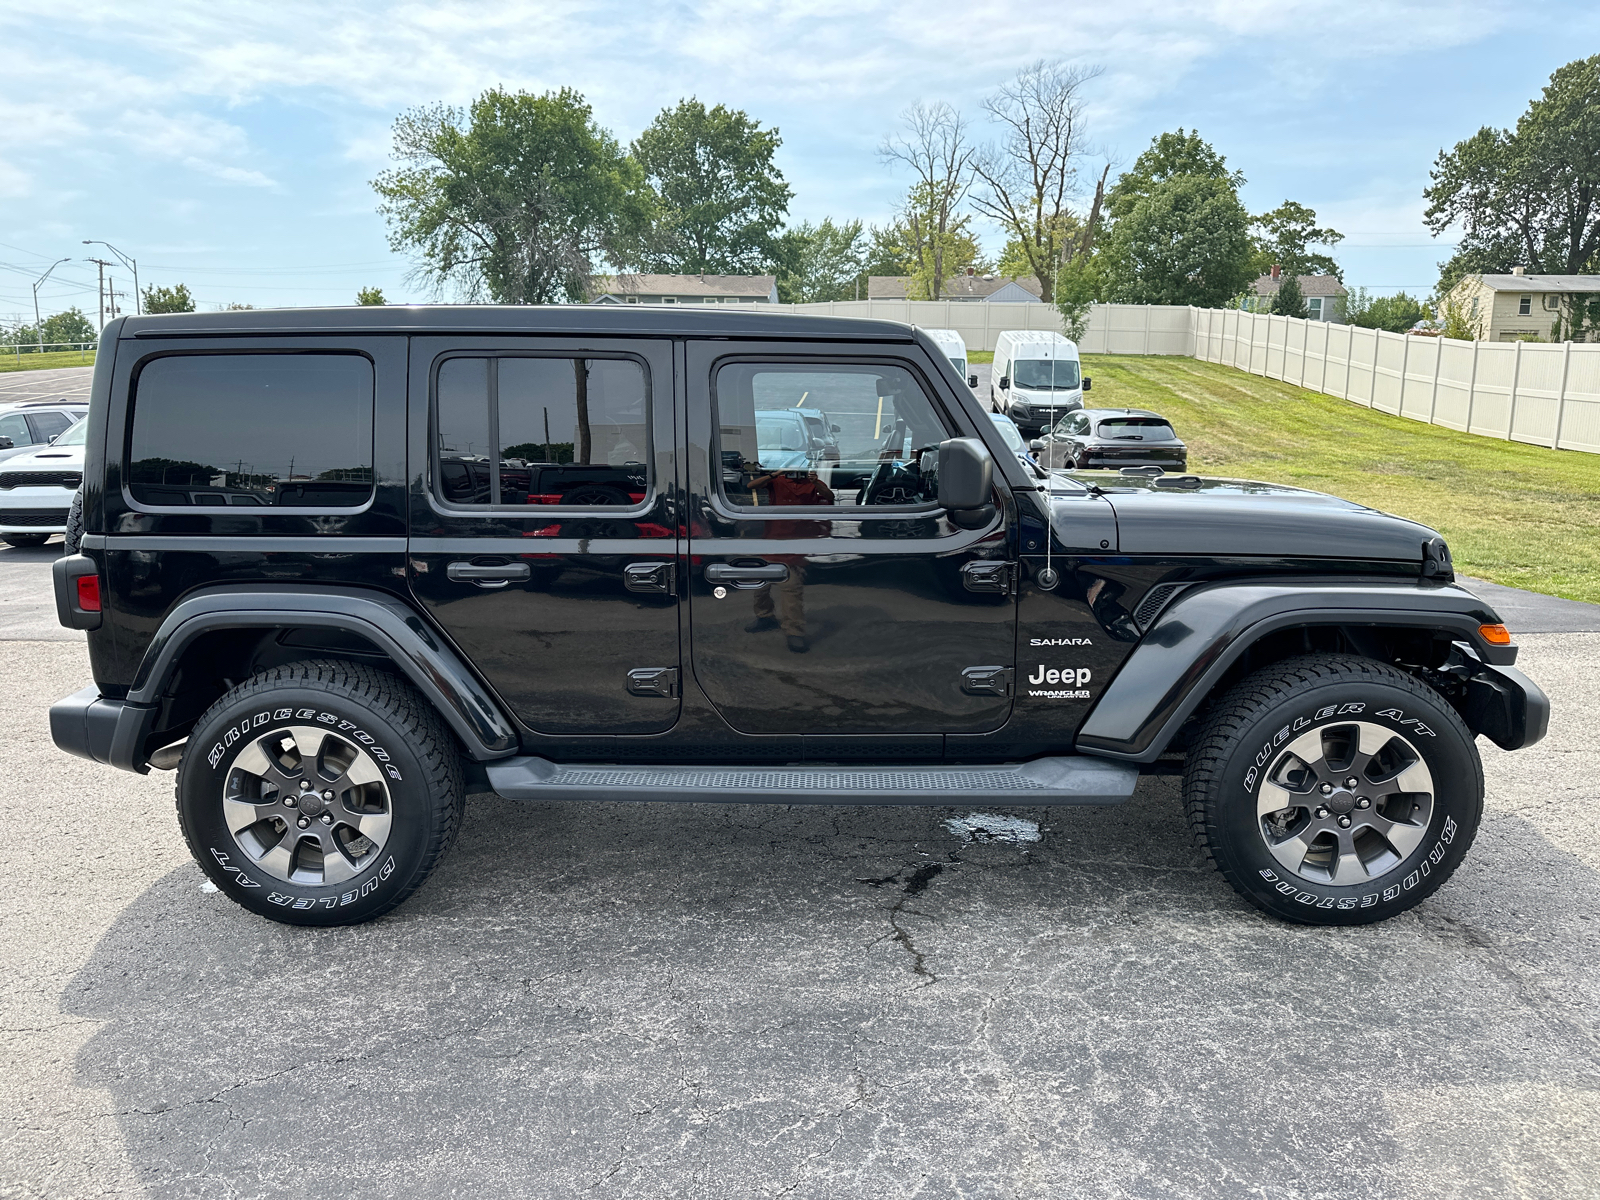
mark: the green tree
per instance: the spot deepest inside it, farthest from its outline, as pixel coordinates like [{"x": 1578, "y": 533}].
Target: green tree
[
  {"x": 1170, "y": 156},
  {"x": 1079, "y": 286},
  {"x": 935, "y": 254},
  {"x": 64, "y": 327},
  {"x": 821, "y": 262},
  {"x": 719, "y": 199},
  {"x": 1527, "y": 196},
  {"x": 1289, "y": 300},
  {"x": 513, "y": 199},
  {"x": 1396, "y": 313},
  {"x": 1284, "y": 237},
  {"x": 370, "y": 296},
  {"x": 174, "y": 299},
  {"x": 1185, "y": 241}
]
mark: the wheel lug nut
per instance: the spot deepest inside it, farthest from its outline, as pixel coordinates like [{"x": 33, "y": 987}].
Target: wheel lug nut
[
  {"x": 1363, "y": 802},
  {"x": 303, "y": 822},
  {"x": 1351, "y": 782},
  {"x": 327, "y": 819},
  {"x": 1344, "y": 822},
  {"x": 305, "y": 785},
  {"x": 1321, "y": 812},
  {"x": 290, "y": 801},
  {"x": 328, "y": 795},
  {"x": 1327, "y": 789}
]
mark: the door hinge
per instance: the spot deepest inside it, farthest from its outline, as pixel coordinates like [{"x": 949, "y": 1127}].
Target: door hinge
[
  {"x": 657, "y": 577},
  {"x": 987, "y": 681},
  {"x": 991, "y": 578},
  {"x": 653, "y": 681}
]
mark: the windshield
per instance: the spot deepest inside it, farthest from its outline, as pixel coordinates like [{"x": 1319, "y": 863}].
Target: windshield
[
  {"x": 1043, "y": 374},
  {"x": 780, "y": 433},
  {"x": 73, "y": 436},
  {"x": 1009, "y": 432},
  {"x": 1146, "y": 429}
]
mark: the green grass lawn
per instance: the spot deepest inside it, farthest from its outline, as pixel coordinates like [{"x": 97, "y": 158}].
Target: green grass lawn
[
  {"x": 1513, "y": 513},
  {"x": 980, "y": 356},
  {"x": 11, "y": 361}
]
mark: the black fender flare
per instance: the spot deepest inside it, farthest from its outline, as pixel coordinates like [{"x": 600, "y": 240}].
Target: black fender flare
[
  {"x": 388, "y": 622},
  {"x": 1203, "y": 632}
]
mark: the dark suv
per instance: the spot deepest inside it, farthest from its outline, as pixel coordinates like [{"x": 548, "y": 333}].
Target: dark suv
[{"x": 333, "y": 573}]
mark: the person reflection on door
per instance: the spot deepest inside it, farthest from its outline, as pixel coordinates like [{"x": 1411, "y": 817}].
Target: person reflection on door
[{"x": 789, "y": 611}]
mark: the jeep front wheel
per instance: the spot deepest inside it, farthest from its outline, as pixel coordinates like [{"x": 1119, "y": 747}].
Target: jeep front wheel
[
  {"x": 320, "y": 793},
  {"x": 1334, "y": 790}
]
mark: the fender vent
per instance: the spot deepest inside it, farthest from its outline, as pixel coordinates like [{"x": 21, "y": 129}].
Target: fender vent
[{"x": 1152, "y": 604}]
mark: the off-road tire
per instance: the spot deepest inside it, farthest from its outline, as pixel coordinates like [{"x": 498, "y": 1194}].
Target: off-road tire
[
  {"x": 23, "y": 540},
  {"x": 74, "y": 534},
  {"x": 411, "y": 750},
  {"x": 1244, "y": 740}
]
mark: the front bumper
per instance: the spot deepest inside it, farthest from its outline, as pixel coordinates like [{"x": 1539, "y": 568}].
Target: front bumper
[
  {"x": 34, "y": 510},
  {"x": 103, "y": 730},
  {"x": 1506, "y": 706}
]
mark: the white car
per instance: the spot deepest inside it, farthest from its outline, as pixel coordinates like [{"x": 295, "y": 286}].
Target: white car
[{"x": 36, "y": 489}]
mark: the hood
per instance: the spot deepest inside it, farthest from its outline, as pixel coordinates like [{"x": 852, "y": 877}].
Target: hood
[
  {"x": 47, "y": 458},
  {"x": 1238, "y": 517}
]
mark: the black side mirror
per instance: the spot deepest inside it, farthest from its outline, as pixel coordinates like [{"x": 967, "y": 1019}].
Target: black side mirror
[
  {"x": 1087, "y": 383},
  {"x": 966, "y": 481},
  {"x": 1005, "y": 383},
  {"x": 972, "y": 381},
  {"x": 5, "y": 443},
  {"x": 835, "y": 429}
]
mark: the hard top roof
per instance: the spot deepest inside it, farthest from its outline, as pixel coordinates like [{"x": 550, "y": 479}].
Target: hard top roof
[{"x": 578, "y": 320}]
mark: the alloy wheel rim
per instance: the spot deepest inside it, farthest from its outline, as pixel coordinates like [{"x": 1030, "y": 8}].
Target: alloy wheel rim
[
  {"x": 1345, "y": 804},
  {"x": 307, "y": 806}
]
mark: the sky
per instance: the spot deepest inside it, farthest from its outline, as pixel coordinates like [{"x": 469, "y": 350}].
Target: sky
[{"x": 230, "y": 146}]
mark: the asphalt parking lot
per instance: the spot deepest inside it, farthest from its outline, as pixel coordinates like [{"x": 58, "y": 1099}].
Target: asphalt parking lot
[{"x": 713, "y": 1000}]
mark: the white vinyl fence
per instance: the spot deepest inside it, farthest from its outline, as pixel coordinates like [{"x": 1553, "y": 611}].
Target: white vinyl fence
[{"x": 1518, "y": 391}]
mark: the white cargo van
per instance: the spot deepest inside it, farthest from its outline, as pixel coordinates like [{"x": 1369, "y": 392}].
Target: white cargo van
[
  {"x": 1036, "y": 378},
  {"x": 955, "y": 349}
]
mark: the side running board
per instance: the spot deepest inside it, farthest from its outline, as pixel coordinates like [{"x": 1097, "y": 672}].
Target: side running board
[{"x": 1064, "y": 780}]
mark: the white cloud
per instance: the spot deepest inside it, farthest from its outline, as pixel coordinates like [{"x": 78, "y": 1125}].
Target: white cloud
[{"x": 200, "y": 143}]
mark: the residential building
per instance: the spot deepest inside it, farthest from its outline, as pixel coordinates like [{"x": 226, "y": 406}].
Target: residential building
[
  {"x": 1324, "y": 295},
  {"x": 971, "y": 287},
  {"x": 1525, "y": 308},
  {"x": 685, "y": 289}
]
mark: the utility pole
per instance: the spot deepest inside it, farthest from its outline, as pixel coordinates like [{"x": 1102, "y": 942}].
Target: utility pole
[
  {"x": 102, "y": 264},
  {"x": 130, "y": 263},
  {"x": 38, "y": 321}
]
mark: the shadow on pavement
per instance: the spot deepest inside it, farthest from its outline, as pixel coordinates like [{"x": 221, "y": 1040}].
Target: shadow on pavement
[{"x": 715, "y": 1000}]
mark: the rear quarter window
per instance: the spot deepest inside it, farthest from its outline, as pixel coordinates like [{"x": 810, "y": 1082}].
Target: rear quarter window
[{"x": 247, "y": 430}]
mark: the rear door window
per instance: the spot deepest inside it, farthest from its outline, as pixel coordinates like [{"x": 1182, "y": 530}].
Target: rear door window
[
  {"x": 520, "y": 430},
  {"x": 47, "y": 425},
  {"x": 15, "y": 427},
  {"x": 228, "y": 430}
]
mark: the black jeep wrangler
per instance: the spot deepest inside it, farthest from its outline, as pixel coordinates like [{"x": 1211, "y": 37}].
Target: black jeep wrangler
[{"x": 294, "y": 599}]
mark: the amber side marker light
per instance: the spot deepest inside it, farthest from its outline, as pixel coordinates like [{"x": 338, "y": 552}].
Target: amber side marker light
[{"x": 1495, "y": 635}]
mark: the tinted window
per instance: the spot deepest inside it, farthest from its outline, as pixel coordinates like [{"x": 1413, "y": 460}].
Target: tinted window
[
  {"x": 1044, "y": 374},
  {"x": 514, "y": 430},
  {"x": 48, "y": 424},
  {"x": 285, "y": 429},
  {"x": 15, "y": 427},
  {"x": 1147, "y": 429},
  {"x": 832, "y": 434}
]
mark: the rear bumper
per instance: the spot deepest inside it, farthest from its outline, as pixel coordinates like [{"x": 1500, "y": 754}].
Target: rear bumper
[{"x": 113, "y": 732}]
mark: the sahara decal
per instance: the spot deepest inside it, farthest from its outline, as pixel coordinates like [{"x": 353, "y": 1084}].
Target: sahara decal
[{"x": 1060, "y": 642}]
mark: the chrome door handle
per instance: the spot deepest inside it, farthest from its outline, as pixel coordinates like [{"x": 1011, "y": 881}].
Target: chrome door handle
[
  {"x": 488, "y": 574},
  {"x": 746, "y": 577}
]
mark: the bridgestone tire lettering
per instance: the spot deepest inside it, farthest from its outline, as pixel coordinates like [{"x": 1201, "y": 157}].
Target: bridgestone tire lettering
[
  {"x": 1243, "y": 738},
  {"x": 366, "y": 708}
]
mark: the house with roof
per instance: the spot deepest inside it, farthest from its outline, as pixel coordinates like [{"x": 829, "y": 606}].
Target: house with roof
[
  {"x": 684, "y": 289},
  {"x": 1526, "y": 308},
  {"x": 970, "y": 287},
  {"x": 1324, "y": 295}
]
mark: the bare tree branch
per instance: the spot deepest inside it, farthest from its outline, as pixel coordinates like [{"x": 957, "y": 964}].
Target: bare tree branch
[{"x": 937, "y": 148}]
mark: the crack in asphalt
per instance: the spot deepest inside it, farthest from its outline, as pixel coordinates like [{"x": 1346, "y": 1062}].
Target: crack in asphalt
[{"x": 913, "y": 885}]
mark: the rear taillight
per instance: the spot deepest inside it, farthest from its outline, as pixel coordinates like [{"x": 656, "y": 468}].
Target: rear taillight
[{"x": 89, "y": 593}]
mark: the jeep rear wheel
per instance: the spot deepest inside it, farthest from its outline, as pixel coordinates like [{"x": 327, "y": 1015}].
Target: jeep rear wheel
[
  {"x": 1334, "y": 790},
  {"x": 320, "y": 793}
]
